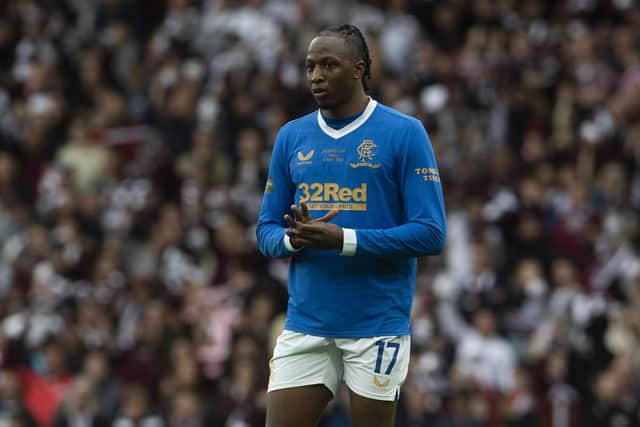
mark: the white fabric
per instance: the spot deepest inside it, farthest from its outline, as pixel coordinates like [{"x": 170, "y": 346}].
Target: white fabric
[
  {"x": 339, "y": 133},
  {"x": 289, "y": 246},
  {"x": 301, "y": 360},
  {"x": 349, "y": 242}
]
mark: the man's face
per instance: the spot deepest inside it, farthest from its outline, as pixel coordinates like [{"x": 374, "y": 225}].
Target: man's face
[
  {"x": 332, "y": 71},
  {"x": 485, "y": 323}
]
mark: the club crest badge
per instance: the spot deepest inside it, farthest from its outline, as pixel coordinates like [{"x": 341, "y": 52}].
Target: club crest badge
[{"x": 366, "y": 154}]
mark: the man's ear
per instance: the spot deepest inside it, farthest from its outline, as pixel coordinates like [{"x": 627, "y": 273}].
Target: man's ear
[{"x": 359, "y": 70}]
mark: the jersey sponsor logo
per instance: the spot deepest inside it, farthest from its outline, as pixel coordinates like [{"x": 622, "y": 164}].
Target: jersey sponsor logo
[
  {"x": 330, "y": 195},
  {"x": 305, "y": 158},
  {"x": 366, "y": 153},
  {"x": 380, "y": 384}
]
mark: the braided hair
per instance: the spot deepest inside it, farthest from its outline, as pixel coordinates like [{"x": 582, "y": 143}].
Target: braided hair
[{"x": 354, "y": 38}]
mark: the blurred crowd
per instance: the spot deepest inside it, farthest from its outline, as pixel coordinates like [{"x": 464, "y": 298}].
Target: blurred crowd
[{"x": 134, "y": 141}]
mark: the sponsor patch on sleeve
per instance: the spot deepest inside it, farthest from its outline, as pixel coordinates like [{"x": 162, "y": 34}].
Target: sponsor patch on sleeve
[
  {"x": 428, "y": 174},
  {"x": 268, "y": 188}
]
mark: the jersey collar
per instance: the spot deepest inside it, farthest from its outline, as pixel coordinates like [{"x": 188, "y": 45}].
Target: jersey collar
[{"x": 339, "y": 133}]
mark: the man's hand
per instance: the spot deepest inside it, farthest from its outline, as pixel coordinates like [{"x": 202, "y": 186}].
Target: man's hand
[{"x": 313, "y": 233}]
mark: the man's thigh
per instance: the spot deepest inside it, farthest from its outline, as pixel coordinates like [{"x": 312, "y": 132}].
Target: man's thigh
[
  {"x": 297, "y": 406},
  {"x": 305, "y": 373},
  {"x": 367, "y": 412},
  {"x": 374, "y": 371}
]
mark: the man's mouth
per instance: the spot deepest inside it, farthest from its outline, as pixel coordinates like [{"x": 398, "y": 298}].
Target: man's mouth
[{"x": 319, "y": 91}]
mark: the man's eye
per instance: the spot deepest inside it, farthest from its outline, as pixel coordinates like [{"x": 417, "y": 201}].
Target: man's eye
[{"x": 329, "y": 65}]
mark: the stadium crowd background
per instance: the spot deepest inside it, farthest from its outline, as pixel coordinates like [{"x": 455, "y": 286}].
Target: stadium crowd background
[{"x": 134, "y": 141}]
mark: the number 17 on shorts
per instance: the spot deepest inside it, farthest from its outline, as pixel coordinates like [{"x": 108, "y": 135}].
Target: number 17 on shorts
[{"x": 376, "y": 367}]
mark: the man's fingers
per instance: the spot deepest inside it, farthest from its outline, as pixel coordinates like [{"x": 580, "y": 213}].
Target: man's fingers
[
  {"x": 301, "y": 242},
  {"x": 310, "y": 230},
  {"x": 290, "y": 221},
  {"x": 306, "y": 216},
  {"x": 302, "y": 216},
  {"x": 329, "y": 216},
  {"x": 297, "y": 239},
  {"x": 296, "y": 213}
]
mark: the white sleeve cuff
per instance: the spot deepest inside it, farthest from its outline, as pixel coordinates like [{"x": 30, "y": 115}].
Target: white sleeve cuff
[
  {"x": 289, "y": 246},
  {"x": 349, "y": 242}
]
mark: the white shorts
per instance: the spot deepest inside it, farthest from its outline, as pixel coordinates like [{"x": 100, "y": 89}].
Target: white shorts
[{"x": 374, "y": 368}]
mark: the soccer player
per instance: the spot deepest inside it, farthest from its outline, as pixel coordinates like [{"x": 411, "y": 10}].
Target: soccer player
[{"x": 368, "y": 175}]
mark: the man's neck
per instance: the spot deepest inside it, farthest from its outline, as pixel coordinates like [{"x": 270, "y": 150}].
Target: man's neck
[{"x": 356, "y": 105}]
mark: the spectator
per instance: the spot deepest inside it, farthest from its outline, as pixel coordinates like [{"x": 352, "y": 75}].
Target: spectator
[
  {"x": 45, "y": 386},
  {"x": 519, "y": 406},
  {"x": 186, "y": 410},
  {"x": 12, "y": 408},
  {"x": 80, "y": 407},
  {"x": 97, "y": 370},
  {"x": 482, "y": 355},
  {"x": 611, "y": 403},
  {"x": 136, "y": 410},
  {"x": 560, "y": 404}
]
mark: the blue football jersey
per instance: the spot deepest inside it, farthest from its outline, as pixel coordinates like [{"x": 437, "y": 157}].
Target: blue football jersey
[{"x": 380, "y": 172}]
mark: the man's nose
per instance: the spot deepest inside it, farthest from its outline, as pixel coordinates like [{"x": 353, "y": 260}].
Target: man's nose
[{"x": 317, "y": 74}]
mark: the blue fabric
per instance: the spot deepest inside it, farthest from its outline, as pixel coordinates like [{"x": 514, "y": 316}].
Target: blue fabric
[{"x": 383, "y": 177}]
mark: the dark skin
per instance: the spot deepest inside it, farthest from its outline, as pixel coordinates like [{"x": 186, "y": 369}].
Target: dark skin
[
  {"x": 313, "y": 233},
  {"x": 334, "y": 75}
]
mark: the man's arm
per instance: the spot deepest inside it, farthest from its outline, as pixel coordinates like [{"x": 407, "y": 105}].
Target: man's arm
[
  {"x": 424, "y": 231},
  {"x": 278, "y": 196}
]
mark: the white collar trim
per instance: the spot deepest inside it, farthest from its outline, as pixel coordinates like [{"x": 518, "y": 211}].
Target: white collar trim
[{"x": 339, "y": 133}]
